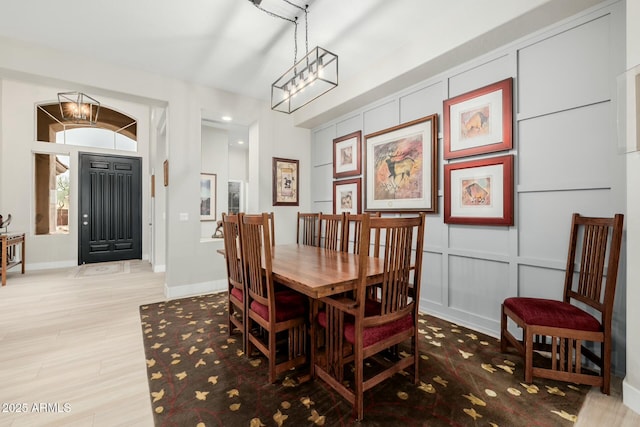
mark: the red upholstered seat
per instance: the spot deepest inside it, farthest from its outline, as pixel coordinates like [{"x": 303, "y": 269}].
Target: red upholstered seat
[
  {"x": 378, "y": 333},
  {"x": 238, "y": 294},
  {"x": 289, "y": 305},
  {"x": 561, "y": 329},
  {"x": 546, "y": 312}
]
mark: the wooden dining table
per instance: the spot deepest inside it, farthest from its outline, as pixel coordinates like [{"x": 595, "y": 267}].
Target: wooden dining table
[{"x": 318, "y": 272}]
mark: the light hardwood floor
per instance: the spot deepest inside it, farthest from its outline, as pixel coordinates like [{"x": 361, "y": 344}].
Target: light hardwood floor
[{"x": 69, "y": 337}]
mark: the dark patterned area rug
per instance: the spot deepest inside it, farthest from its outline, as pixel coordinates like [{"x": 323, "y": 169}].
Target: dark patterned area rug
[{"x": 199, "y": 376}]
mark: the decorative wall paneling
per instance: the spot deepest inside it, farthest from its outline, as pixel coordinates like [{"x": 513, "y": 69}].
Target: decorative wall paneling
[{"x": 566, "y": 161}]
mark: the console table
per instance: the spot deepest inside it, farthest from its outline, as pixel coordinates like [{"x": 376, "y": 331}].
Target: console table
[{"x": 10, "y": 241}]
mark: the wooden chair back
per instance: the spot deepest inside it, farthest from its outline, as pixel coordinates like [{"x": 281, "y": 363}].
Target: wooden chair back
[
  {"x": 352, "y": 231},
  {"x": 232, "y": 245},
  {"x": 331, "y": 231},
  {"x": 307, "y": 229},
  {"x": 399, "y": 290},
  {"x": 272, "y": 227},
  {"x": 236, "y": 292},
  {"x": 589, "y": 250},
  {"x": 256, "y": 257}
]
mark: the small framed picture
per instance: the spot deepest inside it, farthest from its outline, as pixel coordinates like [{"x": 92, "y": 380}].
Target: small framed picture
[
  {"x": 207, "y": 197},
  {"x": 347, "y": 155},
  {"x": 347, "y": 196},
  {"x": 285, "y": 182},
  {"x": 479, "y": 192},
  {"x": 479, "y": 121}
]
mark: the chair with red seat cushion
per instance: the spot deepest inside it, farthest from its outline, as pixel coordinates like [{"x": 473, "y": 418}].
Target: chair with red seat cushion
[
  {"x": 270, "y": 313},
  {"x": 237, "y": 308},
  {"x": 358, "y": 329},
  {"x": 560, "y": 328}
]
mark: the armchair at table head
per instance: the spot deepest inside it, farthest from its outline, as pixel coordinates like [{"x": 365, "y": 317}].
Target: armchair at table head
[
  {"x": 369, "y": 326},
  {"x": 560, "y": 328}
]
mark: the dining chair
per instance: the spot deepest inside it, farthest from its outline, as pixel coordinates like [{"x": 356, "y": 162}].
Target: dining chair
[
  {"x": 236, "y": 292},
  {"x": 331, "y": 231},
  {"x": 561, "y": 329},
  {"x": 359, "y": 329},
  {"x": 307, "y": 230},
  {"x": 270, "y": 314}
]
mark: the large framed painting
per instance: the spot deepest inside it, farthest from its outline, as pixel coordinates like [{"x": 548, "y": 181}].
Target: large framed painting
[
  {"x": 479, "y": 121},
  {"x": 285, "y": 182},
  {"x": 401, "y": 167},
  {"x": 207, "y": 197},
  {"x": 347, "y": 155},
  {"x": 347, "y": 196},
  {"x": 479, "y": 192}
]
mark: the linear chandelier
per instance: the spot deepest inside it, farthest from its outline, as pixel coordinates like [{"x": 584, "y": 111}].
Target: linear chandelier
[
  {"x": 314, "y": 75},
  {"x": 79, "y": 108}
]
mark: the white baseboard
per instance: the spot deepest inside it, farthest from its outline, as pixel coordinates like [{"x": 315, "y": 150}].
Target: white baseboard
[
  {"x": 50, "y": 265},
  {"x": 173, "y": 292},
  {"x": 631, "y": 396},
  {"x": 159, "y": 268}
]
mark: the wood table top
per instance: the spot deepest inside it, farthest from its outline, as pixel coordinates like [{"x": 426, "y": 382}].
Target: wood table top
[{"x": 318, "y": 272}]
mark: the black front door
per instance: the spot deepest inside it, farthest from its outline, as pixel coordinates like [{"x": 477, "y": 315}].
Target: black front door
[{"x": 110, "y": 208}]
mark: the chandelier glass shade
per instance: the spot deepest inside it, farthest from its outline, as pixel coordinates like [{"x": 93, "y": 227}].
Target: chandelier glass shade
[
  {"x": 312, "y": 76},
  {"x": 77, "y": 107}
]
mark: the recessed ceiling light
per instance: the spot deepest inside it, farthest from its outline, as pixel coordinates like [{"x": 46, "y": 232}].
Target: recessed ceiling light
[
  {"x": 226, "y": 118},
  {"x": 241, "y": 142}
]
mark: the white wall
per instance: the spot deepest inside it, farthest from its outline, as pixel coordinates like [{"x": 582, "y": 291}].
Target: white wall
[
  {"x": 631, "y": 385},
  {"x": 190, "y": 266},
  {"x": 566, "y": 161},
  {"x": 19, "y": 100}
]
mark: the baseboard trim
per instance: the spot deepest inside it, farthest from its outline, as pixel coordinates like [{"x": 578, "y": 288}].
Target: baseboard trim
[
  {"x": 159, "y": 268},
  {"x": 631, "y": 396},
  {"x": 49, "y": 265},
  {"x": 173, "y": 292}
]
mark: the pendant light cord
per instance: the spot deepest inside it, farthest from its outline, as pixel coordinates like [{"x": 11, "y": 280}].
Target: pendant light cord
[{"x": 295, "y": 25}]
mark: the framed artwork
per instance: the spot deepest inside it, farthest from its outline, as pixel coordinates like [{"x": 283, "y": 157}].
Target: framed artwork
[
  {"x": 347, "y": 196},
  {"x": 479, "y": 192},
  {"x": 479, "y": 121},
  {"x": 207, "y": 197},
  {"x": 401, "y": 167},
  {"x": 236, "y": 196},
  {"x": 285, "y": 182},
  {"x": 347, "y": 155}
]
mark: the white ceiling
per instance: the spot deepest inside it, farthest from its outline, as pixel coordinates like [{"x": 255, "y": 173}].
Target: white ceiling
[{"x": 232, "y": 45}]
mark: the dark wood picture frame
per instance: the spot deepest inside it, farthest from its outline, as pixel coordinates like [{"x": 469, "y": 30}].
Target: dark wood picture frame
[
  {"x": 479, "y": 121},
  {"x": 351, "y": 198},
  {"x": 285, "y": 182},
  {"x": 401, "y": 167},
  {"x": 347, "y": 155},
  {"x": 479, "y": 192}
]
